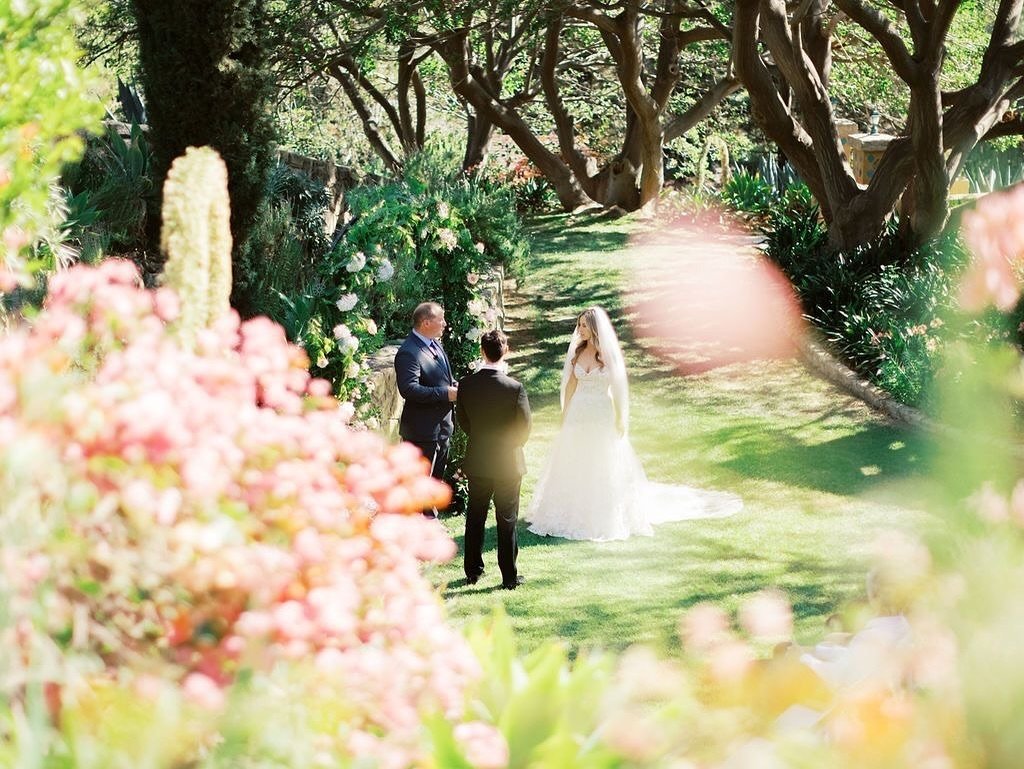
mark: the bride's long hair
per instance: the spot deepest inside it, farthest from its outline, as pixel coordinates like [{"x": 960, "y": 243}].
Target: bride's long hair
[
  {"x": 589, "y": 319},
  {"x": 609, "y": 356}
]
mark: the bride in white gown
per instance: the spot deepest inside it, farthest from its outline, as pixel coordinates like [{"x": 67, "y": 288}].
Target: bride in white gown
[{"x": 593, "y": 486}]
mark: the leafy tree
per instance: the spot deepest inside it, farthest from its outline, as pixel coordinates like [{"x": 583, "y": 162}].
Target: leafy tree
[
  {"x": 206, "y": 81},
  {"x": 785, "y": 60}
]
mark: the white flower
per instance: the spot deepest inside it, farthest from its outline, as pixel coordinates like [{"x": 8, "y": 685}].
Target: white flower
[
  {"x": 321, "y": 361},
  {"x": 474, "y": 334},
  {"x": 386, "y": 270},
  {"x": 346, "y": 302},
  {"x": 476, "y": 306},
  {"x": 346, "y": 410},
  {"x": 371, "y": 326},
  {"x": 448, "y": 239},
  {"x": 479, "y": 247},
  {"x": 342, "y": 332},
  {"x": 472, "y": 278},
  {"x": 357, "y": 262},
  {"x": 352, "y": 370},
  {"x": 443, "y": 210}
]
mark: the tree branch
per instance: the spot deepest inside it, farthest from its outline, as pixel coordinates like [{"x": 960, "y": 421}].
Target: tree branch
[
  {"x": 704, "y": 106},
  {"x": 884, "y": 32}
]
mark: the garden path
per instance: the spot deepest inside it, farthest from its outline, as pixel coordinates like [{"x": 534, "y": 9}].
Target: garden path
[{"x": 820, "y": 473}]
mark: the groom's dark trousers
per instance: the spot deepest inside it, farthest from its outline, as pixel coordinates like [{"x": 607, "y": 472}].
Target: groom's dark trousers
[{"x": 495, "y": 413}]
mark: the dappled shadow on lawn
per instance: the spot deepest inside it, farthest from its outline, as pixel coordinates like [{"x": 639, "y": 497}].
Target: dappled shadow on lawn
[
  {"x": 847, "y": 465},
  {"x": 560, "y": 234},
  {"x": 612, "y": 595}
]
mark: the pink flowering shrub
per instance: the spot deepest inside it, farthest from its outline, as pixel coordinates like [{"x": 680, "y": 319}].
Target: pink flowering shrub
[
  {"x": 994, "y": 231},
  {"x": 198, "y": 512}
]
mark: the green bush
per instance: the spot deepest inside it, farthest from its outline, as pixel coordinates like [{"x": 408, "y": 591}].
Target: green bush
[
  {"x": 878, "y": 306},
  {"x": 111, "y": 197},
  {"x": 45, "y": 107},
  {"x": 748, "y": 193},
  {"x": 425, "y": 236}
]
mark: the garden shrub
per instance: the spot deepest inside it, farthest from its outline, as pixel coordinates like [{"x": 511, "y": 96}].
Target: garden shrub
[
  {"x": 45, "y": 106},
  {"x": 427, "y": 236},
  {"x": 288, "y": 241},
  {"x": 191, "y": 513},
  {"x": 879, "y": 307},
  {"x": 114, "y": 179},
  {"x": 748, "y": 193}
]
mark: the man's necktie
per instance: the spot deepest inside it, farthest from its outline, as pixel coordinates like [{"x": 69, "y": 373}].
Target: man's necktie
[{"x": 438, "y": 353}]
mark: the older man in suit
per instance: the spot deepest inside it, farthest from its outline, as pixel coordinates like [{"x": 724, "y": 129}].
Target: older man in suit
[
  {"x": 426, "y": 383},
  {"x": 495, "y": 413}
]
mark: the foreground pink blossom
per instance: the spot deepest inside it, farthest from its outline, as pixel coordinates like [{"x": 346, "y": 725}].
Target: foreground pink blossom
[
  {"x": 994, "y": 232},
  {"x": 209, "y": 509}
]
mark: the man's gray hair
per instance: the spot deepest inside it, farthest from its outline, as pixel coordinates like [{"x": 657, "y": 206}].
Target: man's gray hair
[{"x": 425, "y": 311}]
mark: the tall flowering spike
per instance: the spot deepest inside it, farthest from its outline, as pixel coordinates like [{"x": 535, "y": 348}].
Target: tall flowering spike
[{"x": 196, "y": 237}]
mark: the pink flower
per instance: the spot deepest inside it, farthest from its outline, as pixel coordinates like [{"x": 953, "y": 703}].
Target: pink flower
[
  {"x": 731, "y": 661},
  {"x": 994, "y": 232},
  {"x": 990, "y": 504},
  {"x": 229, "y": 507},
  {"x": 203, "y": 691},
  {"x": 704, "y": 626},
  {"x": 767, "y": 616},
  {"x": 483, "y": 745}
]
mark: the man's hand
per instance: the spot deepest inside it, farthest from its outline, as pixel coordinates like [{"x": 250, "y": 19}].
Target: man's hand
[{"x": 453, "y": 393}]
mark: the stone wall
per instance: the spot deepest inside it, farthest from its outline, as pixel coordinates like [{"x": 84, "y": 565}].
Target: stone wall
[{"x": 337, "y": 179}]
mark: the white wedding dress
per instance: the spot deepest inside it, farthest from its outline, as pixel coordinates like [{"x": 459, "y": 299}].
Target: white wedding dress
[{"x": 593, "y": 486}]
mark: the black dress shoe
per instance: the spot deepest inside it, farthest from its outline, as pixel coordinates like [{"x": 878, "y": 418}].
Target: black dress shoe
[
  {"x": 513, "y": 585},
  {"x": 474, "y": 579}
]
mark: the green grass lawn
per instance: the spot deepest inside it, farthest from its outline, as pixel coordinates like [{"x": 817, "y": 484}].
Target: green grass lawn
[{"x": 819, "y": 473}]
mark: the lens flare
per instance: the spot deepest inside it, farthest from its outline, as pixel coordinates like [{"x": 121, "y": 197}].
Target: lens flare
[{"x": 706, "y": 299}]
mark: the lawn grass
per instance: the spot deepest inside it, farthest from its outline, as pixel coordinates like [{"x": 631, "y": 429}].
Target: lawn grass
[{"x": 819, "y": 473}]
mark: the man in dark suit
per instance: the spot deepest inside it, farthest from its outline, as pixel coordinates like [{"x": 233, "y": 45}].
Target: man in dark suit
[
  {"x": 495, "y": 413},
  {"x": 425, "y": 382}
]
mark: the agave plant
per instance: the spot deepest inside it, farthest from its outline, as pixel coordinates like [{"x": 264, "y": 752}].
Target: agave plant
[
  {"x": 989, "y": 168},
  {"x": 748, "y": 193}
]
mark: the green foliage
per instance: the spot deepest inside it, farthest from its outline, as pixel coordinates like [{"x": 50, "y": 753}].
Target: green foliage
[
  {"x": 879, "y": 306},
  {"x": 427, "y": 236},
  {"x": 206, "y": 83},
  {"x": 748, "y": 193},
  {"x": 114, "y": 181},
  {"x": 990, "y": 168},
  {"x": 549, "y": 711},
  {"x": 44, "y": 108}
]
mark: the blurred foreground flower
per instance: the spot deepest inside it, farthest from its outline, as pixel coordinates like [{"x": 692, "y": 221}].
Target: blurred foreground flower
[
  {"x": 199, "y": 511},
  {"x": 709, "y": 300},
  {"x": 994, "y": 232}
]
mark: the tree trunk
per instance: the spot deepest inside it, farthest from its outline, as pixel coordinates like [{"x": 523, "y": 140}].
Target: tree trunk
[
  {"x": 370, "y": 128},
  {"x": 479, "y": 131},
  {"x": 454, "y": 49},
  {"x": 564, "y": 128}
]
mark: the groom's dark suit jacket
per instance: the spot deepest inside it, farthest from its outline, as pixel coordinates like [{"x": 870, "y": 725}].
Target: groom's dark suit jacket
[
  {"x": 495, "y": 413},
  {"x": 423, "y": 378}
]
